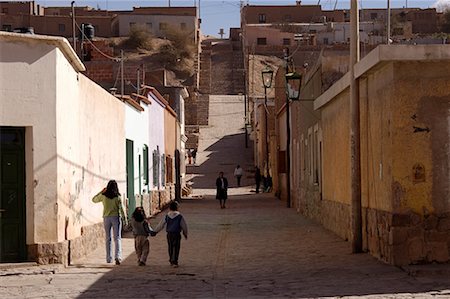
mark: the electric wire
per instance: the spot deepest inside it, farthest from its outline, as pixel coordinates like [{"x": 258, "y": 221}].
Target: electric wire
[{"x": 117, "y": 59}]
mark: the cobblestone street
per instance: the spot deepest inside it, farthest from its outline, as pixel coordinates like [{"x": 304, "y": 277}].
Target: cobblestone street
[{"x": 255, "y": 248}]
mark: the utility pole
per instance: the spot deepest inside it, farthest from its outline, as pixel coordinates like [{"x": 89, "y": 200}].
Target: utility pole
[
  {"x": 121, "y": 74},
  {"x": 74, "y": 42},
  {"x": 388, "y": 35},
  {"x": 288, "y": 138},
  {"x": 138, "y": 87},
  {"x": 356, "y": 217}
]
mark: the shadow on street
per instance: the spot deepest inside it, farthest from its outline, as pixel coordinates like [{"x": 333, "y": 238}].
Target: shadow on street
[{"x": 258, "y": 248}]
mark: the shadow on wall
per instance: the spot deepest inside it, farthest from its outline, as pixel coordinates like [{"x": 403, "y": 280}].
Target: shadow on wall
[{"x": 224, "y": 155}]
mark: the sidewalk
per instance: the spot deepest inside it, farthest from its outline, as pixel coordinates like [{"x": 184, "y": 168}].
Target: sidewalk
[{"x": 256, "y": 248}]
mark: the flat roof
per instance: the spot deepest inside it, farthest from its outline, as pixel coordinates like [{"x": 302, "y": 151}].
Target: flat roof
[
  {"x": 383, "y": 54},
  {"x": 59, "y": 42}
]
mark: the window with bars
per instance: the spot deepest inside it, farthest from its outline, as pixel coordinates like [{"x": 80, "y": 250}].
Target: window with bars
[
  {"x": 163, "y": 170},
  {"x": 262, "y": 18},
  {"x": 156, "y": 168},
  {"x": 145, "y": 154}
]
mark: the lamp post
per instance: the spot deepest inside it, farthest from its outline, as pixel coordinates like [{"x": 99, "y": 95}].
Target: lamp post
[
  {"x": 293, "y": 83},
  {"x": 267, "y": 75}
]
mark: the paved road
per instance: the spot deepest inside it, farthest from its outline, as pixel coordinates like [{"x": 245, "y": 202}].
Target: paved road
[{"x": 256, "y": 248}]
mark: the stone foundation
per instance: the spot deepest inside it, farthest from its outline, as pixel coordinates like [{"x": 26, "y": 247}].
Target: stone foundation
[
  {"x": 49, "y": 253},
  {"x": 403, "y": 239},
  {"x": 91, "y": 237},
  {"x": 69, "y": 250},
  {"x": 332, "y": 215}
]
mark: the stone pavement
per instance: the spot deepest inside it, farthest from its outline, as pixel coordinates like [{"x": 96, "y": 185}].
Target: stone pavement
[{"x": 256, "y": 248}]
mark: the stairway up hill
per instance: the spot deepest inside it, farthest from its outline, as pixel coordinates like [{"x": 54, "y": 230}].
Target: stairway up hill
[{"x": 221, "y": 67}]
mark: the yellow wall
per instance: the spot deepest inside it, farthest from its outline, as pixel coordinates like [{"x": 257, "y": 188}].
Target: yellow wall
[
  {"x": 336, "y": 149},
  {"x": 421, "y": 100},
  {"x": 376, "y": 90}
]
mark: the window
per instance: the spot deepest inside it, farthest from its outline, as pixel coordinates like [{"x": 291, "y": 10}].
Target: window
[
  {"x": 183, "y": 26},
  {"x": 315, "y": 156},
  {"x": 373, "y": 16},
  {"x": 162, "y": 26},
  {"x": 302, "y": 158},
  {"x": 132, "y": 24},
  {"x": 7, "y": 27},
  {"x": 286, "y": 41},
  {"x": 5, "y": 10},
  {"x": 61, "y": 28},
  {"x": 149, "y": 26},
  {"x": 261, "y": 41},
  {"x": 145, "y": 154},
  {"x": 325, "y": 41},
  {"x": 163, "y": 169},
  {"x": 169, "y": 168},
  {"x": 262, "y": 18},
  {"x": 287, "y": 18},
  {"x": 156, "y": 165}
]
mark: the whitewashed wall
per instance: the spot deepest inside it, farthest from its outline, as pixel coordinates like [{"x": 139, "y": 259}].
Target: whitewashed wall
[
  {"x": 137, "y": 130},
  {"x": 91, "y": 148},
  {"x": 27, "y": 99},
  {"x": 156, "y": 135},
  {"x": 75, "y": 137}
]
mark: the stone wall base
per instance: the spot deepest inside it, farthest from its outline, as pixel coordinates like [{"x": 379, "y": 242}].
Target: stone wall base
[
  {"x": 409, "y": 238},
  {"x": 67, "y": 251},
  {"x": 91, "y": 237},
  {"x": 332, "y": 215},
  {"x": 49, "y": 253}
]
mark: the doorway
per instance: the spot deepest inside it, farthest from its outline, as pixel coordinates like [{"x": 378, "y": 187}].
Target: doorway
[
  {"x": 130, "y": 177},
  {"x": 12, "y": 196}
]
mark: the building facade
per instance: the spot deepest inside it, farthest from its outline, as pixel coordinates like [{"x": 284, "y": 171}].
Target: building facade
[{"x": 60, "y": 148}]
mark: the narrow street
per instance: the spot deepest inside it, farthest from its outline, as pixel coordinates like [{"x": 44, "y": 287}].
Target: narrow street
[{"x": 255, "y": 248}]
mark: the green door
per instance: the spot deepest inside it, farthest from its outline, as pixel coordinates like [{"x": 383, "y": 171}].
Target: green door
[
  {"x": 130, "y": 178},
  {"x": 12, "y": 196}
]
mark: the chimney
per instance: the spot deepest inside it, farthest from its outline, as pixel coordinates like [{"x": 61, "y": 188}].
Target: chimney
[{"x": 298, "y": 2}]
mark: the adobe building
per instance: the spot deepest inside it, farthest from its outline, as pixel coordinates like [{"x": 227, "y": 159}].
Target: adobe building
[
  {"x": 405, "y": 137},
  {"x": 60, "y": 144}
]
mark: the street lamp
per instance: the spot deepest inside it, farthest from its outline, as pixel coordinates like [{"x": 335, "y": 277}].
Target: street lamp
[
  {"x": 293, "y": 84},
  {"x": 267, "y": 75}
]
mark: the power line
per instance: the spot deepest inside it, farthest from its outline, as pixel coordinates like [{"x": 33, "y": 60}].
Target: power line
[{"x": 117, "y": 59}]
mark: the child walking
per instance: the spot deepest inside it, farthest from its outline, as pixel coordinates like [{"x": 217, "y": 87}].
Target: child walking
[
  {"x": 175, "y": 224},
  {"x": 141, "y": 231}
]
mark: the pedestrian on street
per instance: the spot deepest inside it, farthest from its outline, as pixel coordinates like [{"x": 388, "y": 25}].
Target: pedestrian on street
[
  {"x": 189, "y": 153},
  {"x": 141, "y": 231},
  {"x": 194, "y": 155},
  {"x": 238, "y": 174},
  {"x": 222, "y": 187},
  {"x": 175, "y": 224},
  {"x": 113, "y": 216},
  {"x": 257, "y": 178}
]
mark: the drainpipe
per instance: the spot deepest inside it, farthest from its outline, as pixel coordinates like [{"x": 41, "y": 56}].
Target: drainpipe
[
  {"x": 74, "y": 43},
  {"x": 356, "y": 216}
]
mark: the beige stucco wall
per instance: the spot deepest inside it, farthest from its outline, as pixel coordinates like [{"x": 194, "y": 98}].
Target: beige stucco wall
[
  {"x": 421, "y": 100},
  {"x": 27, "y": 99},
  {"x": 90, "y": 151},
  {"x": 376, "y": 145},
  {"x": 336, "y": 149},
  {"x": 75, "y": 138},
  {"x": 170, "y": 131}
]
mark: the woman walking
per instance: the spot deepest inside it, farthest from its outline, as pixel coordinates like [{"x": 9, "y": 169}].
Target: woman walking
[
  {"x": 112, "y": 219},
  {"x": 222, "y": 187}
]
